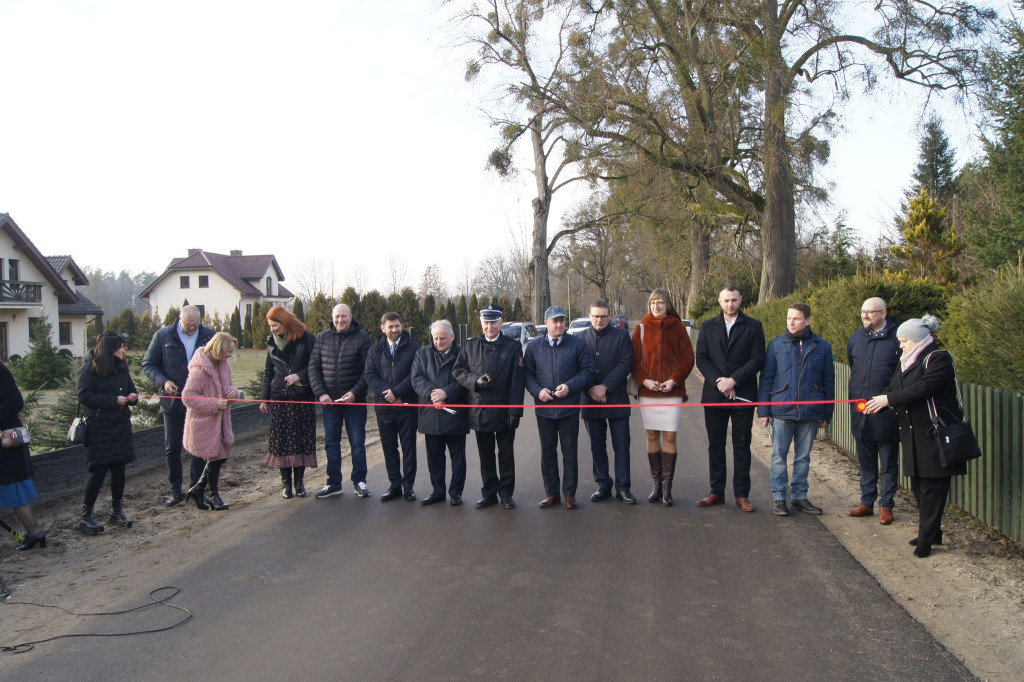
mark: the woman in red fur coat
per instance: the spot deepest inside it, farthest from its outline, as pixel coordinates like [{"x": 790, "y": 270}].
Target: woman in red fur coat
[
  {"x": 662, "y": 359},
  {"x": 208, "y": 433}
]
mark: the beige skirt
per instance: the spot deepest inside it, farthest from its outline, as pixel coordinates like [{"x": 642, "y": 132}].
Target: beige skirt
[{"x": 661, "y": 414}]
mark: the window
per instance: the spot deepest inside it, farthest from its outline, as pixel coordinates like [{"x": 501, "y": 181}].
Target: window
[
  {"x": 270, "y": 287},
  {"x": 202, "y": 311},
  {"x": 184, "y": 282},
  {"x": 13, "y": 270},
  {"x": 32, "y": 322},
  {"x": 65, "y": 333},
  {"x": 204, "y": 281}
]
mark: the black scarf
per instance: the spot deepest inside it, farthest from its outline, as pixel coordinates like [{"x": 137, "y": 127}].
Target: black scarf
[{"x": 802, "y": 335}]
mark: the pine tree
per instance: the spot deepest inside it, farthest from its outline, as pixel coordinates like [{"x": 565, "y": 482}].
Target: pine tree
[
  {"x": 517, "y": 309},
  {"x": 474, "y": 319},
  {"x": 298, "y": 311},
  {"x": 350, "y": 297},
  {"x": 935, "y": 166},
  {"x": 319, "y": 317},
  {"x": 172, "y": 316},
  {"x": 928, "y": 248},
  {"x": 235, "y": 325},
  {"x": 44, "y": 365}
]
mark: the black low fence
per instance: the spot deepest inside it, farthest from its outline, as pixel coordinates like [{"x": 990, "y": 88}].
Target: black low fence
[{"x": 63, "y": 472}]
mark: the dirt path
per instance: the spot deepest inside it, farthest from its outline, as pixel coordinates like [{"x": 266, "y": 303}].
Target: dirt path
[{"x": 969, "y": 594}]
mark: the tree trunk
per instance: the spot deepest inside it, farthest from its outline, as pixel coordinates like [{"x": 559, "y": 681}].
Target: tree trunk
[
  {"x": 778, "y": 225},
  {"x": 700, "y": 259},
  {"x": 539, "y": 283}
]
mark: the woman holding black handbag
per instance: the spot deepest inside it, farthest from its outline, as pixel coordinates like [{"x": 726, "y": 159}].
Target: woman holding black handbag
[
  {"x": 292, "y": 445},
  {"x": 106, "y": 389},
  {"x": 926, "y": 375},
  {"x": 16, "y": 488}
]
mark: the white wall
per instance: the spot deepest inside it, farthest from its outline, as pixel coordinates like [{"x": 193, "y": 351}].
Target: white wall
[
  {"x": 220, "y": 297},
  {"x": 17, "y": 314}
]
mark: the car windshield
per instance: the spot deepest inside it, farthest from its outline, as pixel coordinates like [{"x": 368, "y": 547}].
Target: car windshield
[
  {"x": 512, "y": 331},
  {"x": 581, "y": 322}
]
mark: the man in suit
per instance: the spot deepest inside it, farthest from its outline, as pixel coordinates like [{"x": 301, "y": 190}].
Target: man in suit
[
  {"x": 166, "y": 365},
  {"x": 730, "y": 353},
  {"x": 389, "y": 374},
  {"x": 612, "y": 350},
  {"x": 558, "y": 368},
  {"x": 491, "y": 369},
  {"x": 442, "y": 427}
]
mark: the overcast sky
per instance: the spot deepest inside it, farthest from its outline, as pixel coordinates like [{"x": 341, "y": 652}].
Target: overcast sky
[{"x": 342, "y": 131}]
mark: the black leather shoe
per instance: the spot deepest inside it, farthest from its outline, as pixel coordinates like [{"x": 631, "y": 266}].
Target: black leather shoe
[
  {"x": 805, "y": 505},
  {"x": 508, "y": 503},
  {"x": 433, "y": 498},
  {"x": 601, "y": 494},
  {"x": 625, "y": 496},
  {"x": 410, "y": 496},
  {"x": 37, "y": 540},
  {"x": 486, "y": 502},
  {"x": 391, "y": 494},
  {"x": 456, "y": 500},
  {"x": 175, "y": 499}
]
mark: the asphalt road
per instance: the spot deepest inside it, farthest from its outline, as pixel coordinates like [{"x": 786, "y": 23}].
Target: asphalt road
[{"x": 350, "y": 588}]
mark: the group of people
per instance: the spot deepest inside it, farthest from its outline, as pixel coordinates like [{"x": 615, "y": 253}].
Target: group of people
[{"x": 445, "y": 390}]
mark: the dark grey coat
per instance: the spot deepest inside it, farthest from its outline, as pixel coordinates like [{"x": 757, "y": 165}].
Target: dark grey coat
[
  {"x": 873, "y": 359},
  {"x": 165, "y": 360},
  {"x": 612, "y": 350},
  {"x": 548, "y": 366},
  {"x": 430, "y": 371},
  {"x": 908, "y": 394}
]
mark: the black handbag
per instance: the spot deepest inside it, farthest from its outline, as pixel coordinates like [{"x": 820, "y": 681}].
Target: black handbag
[
  {"x": 76, "y": 434},
  {"x": 955, "y": 442}
]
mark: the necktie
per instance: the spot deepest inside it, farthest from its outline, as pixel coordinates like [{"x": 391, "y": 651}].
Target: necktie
[{"x": 393, "y": 346}]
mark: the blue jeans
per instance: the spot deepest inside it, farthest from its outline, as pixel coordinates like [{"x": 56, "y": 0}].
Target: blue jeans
[
  {"x": 801, "y": 434},
  {"x": 353, "y": 417}
]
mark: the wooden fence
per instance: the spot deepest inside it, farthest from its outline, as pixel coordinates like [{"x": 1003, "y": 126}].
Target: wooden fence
[{"x": 993, "y": 489}]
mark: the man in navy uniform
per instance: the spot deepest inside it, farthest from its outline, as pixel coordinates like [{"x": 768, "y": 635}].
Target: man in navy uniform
[{"x": 491, "y": 369}]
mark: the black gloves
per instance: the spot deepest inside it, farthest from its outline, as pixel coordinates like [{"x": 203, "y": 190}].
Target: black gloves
[
  {"x": 513, "y": 423},
  {"x": 484, "y": 382}
]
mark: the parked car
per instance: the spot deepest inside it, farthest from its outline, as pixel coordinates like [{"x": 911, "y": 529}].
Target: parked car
[
  {"x": 578, "y": 326},
  {"x": 542, "y": 329},
  {"x": 523, "y": 332},
  {"x": 620, "y": 321}
]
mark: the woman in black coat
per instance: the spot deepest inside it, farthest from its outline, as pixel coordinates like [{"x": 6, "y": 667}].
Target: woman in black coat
[
  {"x": 292, "y": 445},
  {"x": 16, "y": 488},
  {"x": 106, "y": 389},
  {"x": 925, "y": 373}
]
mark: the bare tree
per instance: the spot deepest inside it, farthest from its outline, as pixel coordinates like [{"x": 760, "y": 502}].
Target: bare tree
[
  {"x": 358, "y": 279},
  {"x": 497, "y": 275},
  {"x": 432, "y": 284},
  {"x": 312, "y": 277},
  {"x": 398, "y": 274}
]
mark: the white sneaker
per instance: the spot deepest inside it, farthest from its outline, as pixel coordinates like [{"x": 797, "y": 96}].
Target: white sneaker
[{"x": 361, "y": 489}]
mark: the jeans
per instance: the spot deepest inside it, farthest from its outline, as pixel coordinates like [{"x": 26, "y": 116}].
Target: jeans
[
  {"x": 801, "y": 434},
  {"x": 174, "y": 433},
  {"x": 716, "y": 423},
  {"x": 353, "y": 418},
  {"x": 597, "y": 430},
  {"x": 870, "y": 453}
]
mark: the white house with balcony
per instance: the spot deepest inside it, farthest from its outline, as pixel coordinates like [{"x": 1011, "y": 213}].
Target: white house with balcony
[
  {"x": 33, "y": 285},
  {"x": 218, "y": 284}
]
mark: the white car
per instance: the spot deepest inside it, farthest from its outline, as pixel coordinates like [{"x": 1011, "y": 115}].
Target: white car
[
  {"x": 523, "y": 332},
  {"x": 579, "y": 325}
]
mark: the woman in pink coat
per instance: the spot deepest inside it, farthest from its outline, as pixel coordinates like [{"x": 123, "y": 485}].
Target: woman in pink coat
[{"x": 208, "y": 433}]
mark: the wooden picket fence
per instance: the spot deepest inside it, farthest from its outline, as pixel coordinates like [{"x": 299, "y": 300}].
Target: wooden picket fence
[{"x": 993, "y": 489}]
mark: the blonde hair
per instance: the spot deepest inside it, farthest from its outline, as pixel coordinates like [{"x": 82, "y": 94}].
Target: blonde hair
[{"x": 217, "y": 348}]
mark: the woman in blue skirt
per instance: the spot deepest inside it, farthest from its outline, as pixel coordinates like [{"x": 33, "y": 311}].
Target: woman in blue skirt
[{"x": 16, "y": 489}]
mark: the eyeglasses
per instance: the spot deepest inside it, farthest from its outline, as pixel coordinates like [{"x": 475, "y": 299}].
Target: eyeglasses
[
  {"x": 600, "y": 317},
  {"x": 871, "y": 312},
  {"x": 190, "y": 325}
]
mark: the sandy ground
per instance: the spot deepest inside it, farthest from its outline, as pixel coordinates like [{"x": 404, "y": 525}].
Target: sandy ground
[{"x": 969, "y": 593}]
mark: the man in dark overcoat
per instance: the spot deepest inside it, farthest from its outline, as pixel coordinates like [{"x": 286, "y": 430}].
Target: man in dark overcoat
[
  {"x": 166, "y": 365},
  {"x": 442, "y": 427},
  {"x": 491, "y": 369},
  {"x": 730, "y": 353},
  {"x": 612, "y": 351},
  {"x": 873, "y": 354}
]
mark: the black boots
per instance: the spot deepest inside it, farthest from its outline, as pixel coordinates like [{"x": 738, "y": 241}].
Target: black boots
[
  {"x": 117, "y": 516},
  {"x": 286, "y": 480},
  {"x": 88, "y": 524},
  {"x": 198, "y": 495},
  {"x": 300, "y": 487},
  {"x": 654, "y": 459},
  {"x": 213, "y": 477},
  {"x": 668, "y": 472}
]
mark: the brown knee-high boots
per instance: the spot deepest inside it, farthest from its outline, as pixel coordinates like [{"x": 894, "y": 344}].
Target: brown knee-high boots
[
  {"x": 654, "y": 459},
  {"x": 668, "y": 472}
]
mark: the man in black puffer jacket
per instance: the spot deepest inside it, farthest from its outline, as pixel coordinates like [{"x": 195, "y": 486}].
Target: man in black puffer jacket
[
  {"x": 336, "y": 375},
  {"x": 389, "y": 376}
]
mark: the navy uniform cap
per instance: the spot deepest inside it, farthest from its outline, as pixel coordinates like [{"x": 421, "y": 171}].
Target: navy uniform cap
[{"x": 491, "y": 313}]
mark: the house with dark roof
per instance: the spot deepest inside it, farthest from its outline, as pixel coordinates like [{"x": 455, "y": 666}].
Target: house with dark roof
[
  {"x": 219, "y": 284},
  {"x": 31, "y": 285}
]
